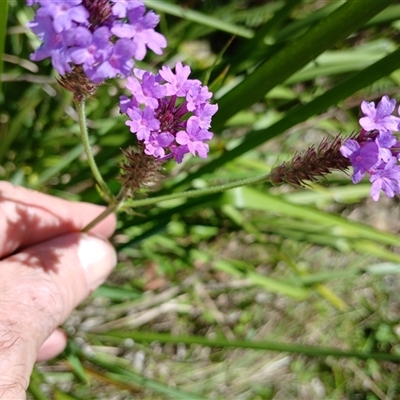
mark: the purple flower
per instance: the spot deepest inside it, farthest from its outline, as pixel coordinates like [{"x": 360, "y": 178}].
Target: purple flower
[
  {"x": 119, "y": 62},
  {"x": 164, "y": 98},
  {"x": 148, "y": 92},
  {"x": 178, "y": 84},
  {"x": 121, "y": 7},
  {"x": 362, "y": 158},
  {"x": 385, "y": 141},
  {"x": 157, "y": 142},
  {"x": 91, "y": 48},
  {"x": 204, "y": 112},
  {"x": 143, "y": 123},
  {"x": 386, "y": 179},
  {"x": 141, "y": 30},
  {"x": 196, "y": 95},
  {"x": 126, "y": 103},
  {"x": 194, "y": 138},
  {"x": 64, "y": 13},
  {"x": 381, "y": 117},
  {"x": 376, "y": 150},
  {"x": 53, "y": 44},
  {"x": 101, "y": 37}
]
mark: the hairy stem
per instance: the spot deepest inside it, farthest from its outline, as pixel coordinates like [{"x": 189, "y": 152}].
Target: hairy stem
[
  {"x": 119, "y": 202},
  {"x": 109, "y": 210},
  {"x": 113, "y": 207},
  {"x": 197, "y": 192},
  {"x": 105, "y": 191}
]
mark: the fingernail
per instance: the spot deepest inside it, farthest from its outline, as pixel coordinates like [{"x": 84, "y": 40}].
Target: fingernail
[{"x": 98, "y": 258}]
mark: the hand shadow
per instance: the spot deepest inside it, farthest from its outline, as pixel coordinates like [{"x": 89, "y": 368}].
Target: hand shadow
[{"x": 26, "y": 218}]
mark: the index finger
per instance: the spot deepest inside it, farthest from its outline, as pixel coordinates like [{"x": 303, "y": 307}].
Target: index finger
[{"x": 28, "y": 217}]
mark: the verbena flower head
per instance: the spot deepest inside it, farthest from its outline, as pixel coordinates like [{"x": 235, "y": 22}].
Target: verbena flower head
[
  {"x": 101, "y": 37},
  {"x": 376, "y": 151},
  {"x": 169, "y": 113}
]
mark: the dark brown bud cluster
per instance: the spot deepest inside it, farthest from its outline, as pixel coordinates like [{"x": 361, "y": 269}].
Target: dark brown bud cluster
[
  {"x": 315, "y": 163},
  {"x": 78, "y": 83},
  {"x": 99, "y": 12},
  {"x": 139, "y": 171}
]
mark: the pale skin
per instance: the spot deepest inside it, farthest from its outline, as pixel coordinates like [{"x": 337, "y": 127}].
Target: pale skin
[{"x": 47, "y": 268}]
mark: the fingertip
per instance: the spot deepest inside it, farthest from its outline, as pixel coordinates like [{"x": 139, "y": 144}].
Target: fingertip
[
  {"x": 52, "y": 346},
  {"x": 97, "y": 258}
]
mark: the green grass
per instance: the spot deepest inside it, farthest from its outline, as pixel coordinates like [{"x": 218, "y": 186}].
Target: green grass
[{"x": 256, "y": 293}]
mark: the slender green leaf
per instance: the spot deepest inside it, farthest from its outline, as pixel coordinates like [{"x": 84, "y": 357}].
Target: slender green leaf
[
  {"x": 257, "y": 42},
  {"x": 242, "y": 270},
  {"x": 298, "y": 26},
  {"x": 244, "y": 344},
  {"x": 392, "y": 13},
  {"x": 337, "y": 26},
  {"x": 76, "y": 363},
  {"x": 3, "y": 29},
  {"x": 351, "y": 272},
  {"x": 116, "y": 293},
  {"x": 338, "y": 62},
  {"x": 59, "y": 395},
  {"x": 246, "y": 197},
  {"x": 200, "y": 18},
  {"x": 34, "y": 386},
  {"x": 120, "y": 372}
]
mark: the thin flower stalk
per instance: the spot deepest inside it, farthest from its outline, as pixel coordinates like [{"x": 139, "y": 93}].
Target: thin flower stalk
[
  {"x": 105, "y": 191},
  {"x": 131, "y": 203}
]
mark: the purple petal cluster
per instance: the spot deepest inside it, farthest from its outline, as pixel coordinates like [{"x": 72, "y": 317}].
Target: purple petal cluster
[
  {"x": 169, "y": 113},
  {"x": 378, "y": 151},
  {"x": 103, "y": 37}
]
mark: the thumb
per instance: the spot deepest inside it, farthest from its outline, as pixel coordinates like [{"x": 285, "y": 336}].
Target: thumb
[{"x": 39, "y": 287}]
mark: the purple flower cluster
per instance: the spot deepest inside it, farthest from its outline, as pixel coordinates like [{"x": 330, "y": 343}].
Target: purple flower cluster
[
  {"x": 169, "y": 113},
  {"x": 101, "y": 36},
  {"x": 376, "y": 151}
]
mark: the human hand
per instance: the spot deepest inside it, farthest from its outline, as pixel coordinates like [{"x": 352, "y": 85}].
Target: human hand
[{"x": 47, "y": 268}]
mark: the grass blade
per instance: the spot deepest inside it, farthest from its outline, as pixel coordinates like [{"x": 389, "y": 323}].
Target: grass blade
[
  {"x": 242, "y": 270},
  {"x": 200, "y": 18},
  {"x": 3, "y": 31},
  {"x": 244, "y": 344},
  {"x": 120, "y": 372},
  {"x": 251, "y": 198},
  {"x": 337, "y": 26}
]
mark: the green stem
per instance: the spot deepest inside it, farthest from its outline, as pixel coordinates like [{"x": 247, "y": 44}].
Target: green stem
[
  {"x": 119, "y": 202},
  {"x": 109, "y": 210},
  {"x": 245, "y": 344},
  {"x": 198, "y": 192},
  {"x": 105, "y": 191}
]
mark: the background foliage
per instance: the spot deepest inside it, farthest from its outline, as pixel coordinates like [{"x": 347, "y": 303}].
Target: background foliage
[{"x": 256, "y": 293}]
